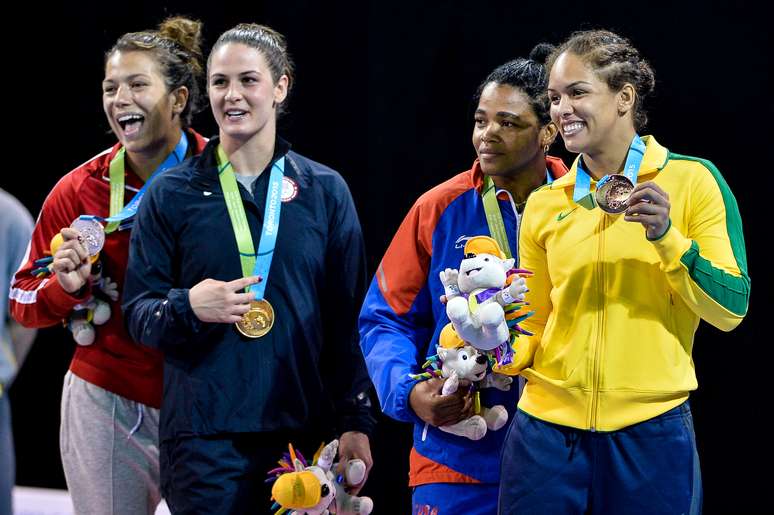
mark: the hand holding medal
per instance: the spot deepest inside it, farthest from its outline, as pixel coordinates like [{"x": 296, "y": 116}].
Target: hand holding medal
[
  {"x": 83, "y": 240},
  {"x": 72, "y": 260},
  {"x": 91, "y": 234},
  {"x": 258, "y": 320},
  {"x": 613, "y": 193},
  {"x": 222, "y": 302},
  {"x": 649, "y": 205}
]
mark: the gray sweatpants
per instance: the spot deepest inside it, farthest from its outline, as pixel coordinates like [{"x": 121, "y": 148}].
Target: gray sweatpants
[{"x": 110, "y": 451}]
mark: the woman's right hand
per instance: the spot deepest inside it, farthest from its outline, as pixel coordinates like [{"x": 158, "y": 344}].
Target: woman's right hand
[
  {"x": 224, "y": 302},
  {"x": 71, "y": 264},
  {"x": 440, "y": 410}
]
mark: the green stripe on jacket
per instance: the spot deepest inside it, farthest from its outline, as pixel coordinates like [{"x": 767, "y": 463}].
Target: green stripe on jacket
[{"x": 728, "y": 290}]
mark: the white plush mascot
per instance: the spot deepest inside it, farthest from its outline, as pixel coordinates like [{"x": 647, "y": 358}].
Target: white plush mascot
[
  {"x": 461, "y": 360},
  {"x": 478, "y": 292},
  {"x": 301, "y": 489},
  {"x": 95, "y": 311}
]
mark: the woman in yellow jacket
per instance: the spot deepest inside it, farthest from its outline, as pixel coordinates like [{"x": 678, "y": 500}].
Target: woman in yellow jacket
[{"x": 630, "y": 250}]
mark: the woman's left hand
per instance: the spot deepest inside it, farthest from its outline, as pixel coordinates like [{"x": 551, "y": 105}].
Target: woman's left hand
[{"x": 649, "y": 205}]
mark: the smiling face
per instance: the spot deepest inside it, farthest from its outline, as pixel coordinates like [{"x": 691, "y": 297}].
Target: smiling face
[
  {"x": 507, "y": 134},
  {"x": 143, "y": 115},
  {"x": 583, "y": 107},
  {"x": 482, "y": 271},
  {"x": 243, "y": 94}
]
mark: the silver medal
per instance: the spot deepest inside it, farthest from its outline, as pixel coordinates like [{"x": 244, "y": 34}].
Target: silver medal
[{"x": 92, "y": 232}]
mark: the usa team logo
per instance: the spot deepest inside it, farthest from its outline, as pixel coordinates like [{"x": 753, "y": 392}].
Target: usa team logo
[{"x": 289, "y": 189}]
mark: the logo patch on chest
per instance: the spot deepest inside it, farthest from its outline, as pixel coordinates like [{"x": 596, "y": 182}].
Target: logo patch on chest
[
  {"x": 289, "y": 189},
  {"x": 562, "y": 216}
]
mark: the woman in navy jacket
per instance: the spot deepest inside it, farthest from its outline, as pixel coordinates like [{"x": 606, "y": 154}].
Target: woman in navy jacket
[{"x": 232, "y": 400}]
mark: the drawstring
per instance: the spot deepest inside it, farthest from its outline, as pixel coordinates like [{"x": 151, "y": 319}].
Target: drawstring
[{"x": 138, "y": 423}]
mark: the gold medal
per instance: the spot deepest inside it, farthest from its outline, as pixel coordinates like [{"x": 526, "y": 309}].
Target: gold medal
[{"x": 258, "y": 321}]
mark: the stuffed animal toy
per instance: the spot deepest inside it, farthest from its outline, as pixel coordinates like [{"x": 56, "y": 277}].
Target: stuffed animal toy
[
  {"x": 95, "y": 310},
  {"x": 484, "y": 299},
  {"x": 301, "y": 489},
  {"x": 460, "y": 360}
]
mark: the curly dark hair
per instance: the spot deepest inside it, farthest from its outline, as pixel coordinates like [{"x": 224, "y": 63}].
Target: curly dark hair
[
  {"x": 615, "y": 61},
  {"x": 529, "y": 75}
]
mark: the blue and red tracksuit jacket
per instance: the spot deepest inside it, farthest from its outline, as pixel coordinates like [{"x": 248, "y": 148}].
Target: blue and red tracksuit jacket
[{"x": 402, "y": 317}]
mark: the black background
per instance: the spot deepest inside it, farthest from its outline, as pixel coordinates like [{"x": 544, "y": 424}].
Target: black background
[{"x": 383, "y": 94}]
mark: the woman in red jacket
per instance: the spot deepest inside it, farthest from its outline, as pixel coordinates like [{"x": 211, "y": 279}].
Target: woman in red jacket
[{"x": 112, "y": 392}]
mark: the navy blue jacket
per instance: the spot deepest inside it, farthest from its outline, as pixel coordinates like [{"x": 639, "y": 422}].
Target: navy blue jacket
[{"x": 308, "y": 371}]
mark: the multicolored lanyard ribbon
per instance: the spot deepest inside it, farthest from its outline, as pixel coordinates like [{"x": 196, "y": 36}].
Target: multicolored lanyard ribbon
[
  {"x": 494, "y": 218},
  {"x": 120, "y": 213},
  {"x": 582, "y": 194},
  {"x": 252, "y": 263}
]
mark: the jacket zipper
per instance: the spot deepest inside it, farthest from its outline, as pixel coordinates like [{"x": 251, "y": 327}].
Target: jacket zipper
[{"x": 595, "y": 380}]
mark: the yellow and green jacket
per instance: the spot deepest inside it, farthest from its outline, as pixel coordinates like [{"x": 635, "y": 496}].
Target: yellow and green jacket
[{"x": 615, "y": 313}]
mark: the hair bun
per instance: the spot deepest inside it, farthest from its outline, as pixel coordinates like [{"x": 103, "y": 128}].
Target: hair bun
[
  {"x": 187, "y": 33},
  {"x": 540, "y": 52}
]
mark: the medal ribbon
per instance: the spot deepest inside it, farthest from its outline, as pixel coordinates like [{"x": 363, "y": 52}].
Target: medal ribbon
[
  {"x": 582, "y": 195},
  {"x": 252, "y": 263},
  {"x": 494, "y": 218},
  {"x": 119, "y": 212}
]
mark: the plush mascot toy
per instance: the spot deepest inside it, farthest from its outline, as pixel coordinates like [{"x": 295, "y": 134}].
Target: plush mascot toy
[
  {"x": 484, "y": 299},
  {"x": 95, "y": 310},
  {"x": 460, "y": 360},
  {"x": 301, "y": 489}
]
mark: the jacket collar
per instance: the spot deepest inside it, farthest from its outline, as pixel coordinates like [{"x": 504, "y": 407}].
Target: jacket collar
[
  {"x": 654, "y": 160},
  {"x": 196, "y": 144},
  {"x": 205, "y": 169}
]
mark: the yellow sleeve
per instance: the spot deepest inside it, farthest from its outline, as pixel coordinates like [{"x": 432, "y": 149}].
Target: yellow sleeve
[{"x": 707, "y": 267}]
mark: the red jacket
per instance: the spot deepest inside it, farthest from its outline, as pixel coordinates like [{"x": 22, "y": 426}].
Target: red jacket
[{"x": 114, "y": 362}]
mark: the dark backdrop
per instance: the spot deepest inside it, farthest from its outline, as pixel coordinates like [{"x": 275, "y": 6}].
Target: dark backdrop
[{"x": 383, "y": 95}]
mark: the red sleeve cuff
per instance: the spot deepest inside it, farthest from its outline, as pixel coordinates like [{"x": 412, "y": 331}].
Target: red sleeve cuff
[{"x": 60, "y": 302}]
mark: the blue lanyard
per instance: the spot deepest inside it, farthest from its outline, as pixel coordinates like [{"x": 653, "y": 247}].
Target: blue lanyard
[
  {"x": 117, "y": 181},
  {"x": 259, "y": 263}
]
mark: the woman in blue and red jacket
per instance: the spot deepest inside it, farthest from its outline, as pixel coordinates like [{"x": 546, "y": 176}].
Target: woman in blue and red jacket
[{"x": 402, "y": 316}]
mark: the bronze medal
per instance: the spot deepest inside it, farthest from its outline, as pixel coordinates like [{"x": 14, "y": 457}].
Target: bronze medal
[
  {"x": 613, "y": 194},
  {"x": 258, "y": 321}
]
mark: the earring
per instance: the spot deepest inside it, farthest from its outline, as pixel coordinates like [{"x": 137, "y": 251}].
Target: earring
[{"x": 545, "y": 148}]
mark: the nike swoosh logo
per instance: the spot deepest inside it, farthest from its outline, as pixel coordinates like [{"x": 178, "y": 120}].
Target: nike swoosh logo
[
  {"x": 562, "y": 216},
  {"x": 207, "y": 193}
]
